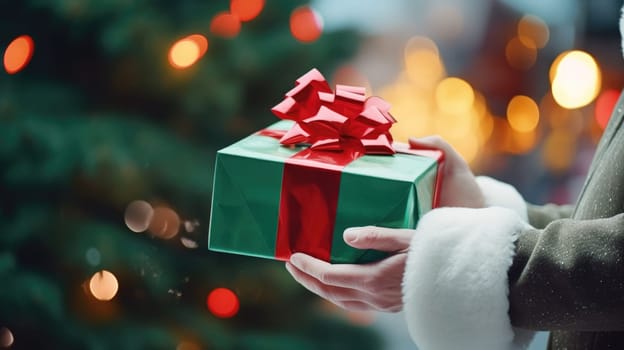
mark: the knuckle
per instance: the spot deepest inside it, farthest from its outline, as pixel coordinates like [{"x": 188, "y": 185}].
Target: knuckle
[{"x": 372, "y": 235}]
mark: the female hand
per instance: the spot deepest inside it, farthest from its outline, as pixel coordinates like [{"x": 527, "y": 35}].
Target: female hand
[
  {"x": 459, "y": 186},
  {"x": 374, "y": 286}
]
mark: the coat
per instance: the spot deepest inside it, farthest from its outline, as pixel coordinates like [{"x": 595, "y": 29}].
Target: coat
[{"x": 487, "y": 278}]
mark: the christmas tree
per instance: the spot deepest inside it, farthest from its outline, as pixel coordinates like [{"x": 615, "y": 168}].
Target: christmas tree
[{"x": 106, "y": 129}]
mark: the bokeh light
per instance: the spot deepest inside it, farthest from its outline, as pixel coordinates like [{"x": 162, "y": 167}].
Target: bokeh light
[
  {"x": 533, "y": 31},
  {"x": 103, "y": 285},
  {"x": 18, "y": 54},
  {"x": 246, "y": 10},
  {"x": 201, "y": 41},
  {"x": 519, "y": 55},
  {"x": 93, "y": 256},
  {"x": 577, "y": 79},
  {"x": 184, "y": 53},
  {"x": 522, "y": 113},
  {"x": 306, "y": 25},
  {"x": 422, "y": 62},
  {"x": 454, "y": 96},
  {"x": 347, "y": 74},
  {"x": 188, "y": 243},
  {"x": 138, "y": 215},
  {"x": 6, "y": 337},
  {"x": 186, "y": 345},
  {"x": 225, "y": 25},
  {"x": 559, "y": 151},
  {"x": 165, "y": 223},
  {"x": 604, "y": 106},
  {"x": 223, "y": 303}
]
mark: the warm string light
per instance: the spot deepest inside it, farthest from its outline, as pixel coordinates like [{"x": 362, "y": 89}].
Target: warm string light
[
  {"x": 138, "y": 215},
  {"x": 187, "y": 51},
  {"x": 165, "y": 223},
  {"x": 160, "y": 221},
  {"x": 103, "y": 285},
  {"x": 425, "y": 101},
  {"x": 522, "y": 114},
  {"x": 18, "y": 54},
  {"x": 576, "y": 79},
  {"x": 521, "y": 50},
  {"x": 533, "y": 31}
]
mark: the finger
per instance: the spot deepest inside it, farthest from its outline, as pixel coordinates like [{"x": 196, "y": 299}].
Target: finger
[
  {"x": 344, "y": 298},
  {"x": 378, "y": 238},
  {"x": 340, "y": 275},
  {"x": 329, "y": 292},
  {"x": 431, "y": 142},
  {"x": 435, "y": 142},
  {"x": 355, "y": 306}
]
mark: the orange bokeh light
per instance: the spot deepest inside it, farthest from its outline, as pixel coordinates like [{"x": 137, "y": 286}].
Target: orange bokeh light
[
  {"x": 246, "y": 10},
  {"x": 225, "y": 24},
  {"x": 186, "y": 51},
  {"x": 306, "y": 25},
  {"x": 18, "y": 54},
  {"x": 201, "y": 41},
  {"x": 103, "y": 285},
  {"x": 165, "y": 223},
  {"x": 604, "y": 107},
  {"x": 223, "y": 303}
]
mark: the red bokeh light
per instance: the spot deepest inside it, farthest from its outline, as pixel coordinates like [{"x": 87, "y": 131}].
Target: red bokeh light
[
  {"x": 223, "y": 303},
  {"x": 306, "y": 24},
  {"x": 18, "y": 54},
  {"x": 604, "y": 106},
  {"x": 225, "y": 24},
  {"x": 246, "y": 10},
  {"x": 201, "y": 42}
]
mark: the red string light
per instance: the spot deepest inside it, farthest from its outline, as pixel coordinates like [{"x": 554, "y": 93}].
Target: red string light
[
  {"x": 246, "y": 10},
  {"x": 223, "y": 303},
  {"x": 18, "y": 54},
  {"x": 225, "y": 24},
  {"x": 604, "y": 107},
  {"x": 306, "y": 24}
]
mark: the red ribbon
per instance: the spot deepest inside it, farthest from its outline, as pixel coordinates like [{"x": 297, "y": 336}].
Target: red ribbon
[{"x": 348, "y": 125}]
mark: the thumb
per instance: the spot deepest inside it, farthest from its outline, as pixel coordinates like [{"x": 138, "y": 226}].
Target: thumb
[{"x": 378, "y": 238}]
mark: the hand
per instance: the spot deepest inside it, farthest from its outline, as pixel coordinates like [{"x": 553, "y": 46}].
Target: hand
[
  {"x": 374, "y": 286},
  {"x": 459, "y": 187}
]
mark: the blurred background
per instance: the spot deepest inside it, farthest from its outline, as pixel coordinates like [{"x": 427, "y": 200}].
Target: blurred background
[{"x": 111, "y": 112}]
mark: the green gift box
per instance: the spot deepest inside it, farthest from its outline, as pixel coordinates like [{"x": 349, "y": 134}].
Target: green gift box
[
  {"x": 380, "y": 190},
  {"x": 333, "y": 167}
]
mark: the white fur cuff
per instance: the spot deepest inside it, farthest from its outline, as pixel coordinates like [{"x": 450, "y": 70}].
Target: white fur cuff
[
  {"x": 500, "y": 194},
  {"x": 455, "y": 287}
]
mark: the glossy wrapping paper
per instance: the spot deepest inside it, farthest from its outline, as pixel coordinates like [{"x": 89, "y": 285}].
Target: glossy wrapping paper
[{"x": 329, "y": 165}]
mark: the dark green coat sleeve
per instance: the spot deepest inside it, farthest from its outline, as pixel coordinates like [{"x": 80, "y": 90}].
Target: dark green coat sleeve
[{"x": 569, "y": 275}]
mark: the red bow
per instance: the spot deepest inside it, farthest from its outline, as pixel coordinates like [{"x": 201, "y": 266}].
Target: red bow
[{"x": 344, "y": 120}]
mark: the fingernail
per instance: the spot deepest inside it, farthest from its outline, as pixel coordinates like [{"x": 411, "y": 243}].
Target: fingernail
[
  {"x": 350, "y": 235},
  {"x": 288, "y": 267}
]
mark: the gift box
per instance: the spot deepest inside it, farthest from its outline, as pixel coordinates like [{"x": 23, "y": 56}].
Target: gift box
[{"x": 330, "y": 164}]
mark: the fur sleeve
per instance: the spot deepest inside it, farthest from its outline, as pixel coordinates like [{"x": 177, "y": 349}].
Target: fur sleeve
[{"x": 455, "y": 287}]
